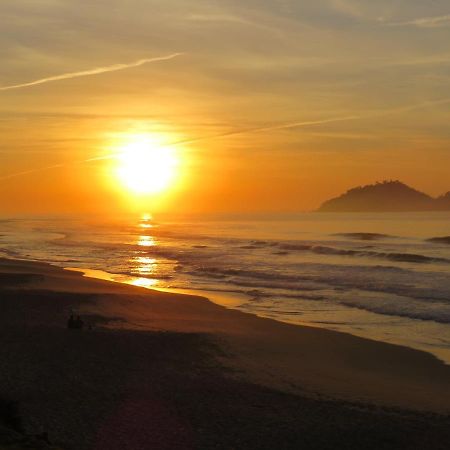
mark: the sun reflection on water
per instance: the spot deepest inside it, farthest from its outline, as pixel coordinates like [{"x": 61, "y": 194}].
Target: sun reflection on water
[
  {"x": 145, "y": 266},
  {"x": 146, "y": 241},
  {"x": 146, "y": 221},
  {"x": 143, "y": 282}
]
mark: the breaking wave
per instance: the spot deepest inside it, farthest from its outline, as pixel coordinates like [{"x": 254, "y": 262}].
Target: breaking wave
[
  {"x": 400, "y": 257},
  {"x": 440, "y": 240},
  {"x": 364, "y": 236}
]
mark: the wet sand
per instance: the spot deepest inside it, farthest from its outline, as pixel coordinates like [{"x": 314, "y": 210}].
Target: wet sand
[{"x": 168, "y": 371}]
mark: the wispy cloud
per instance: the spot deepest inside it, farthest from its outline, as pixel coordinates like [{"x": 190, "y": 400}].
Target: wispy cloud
[
  {"x": 312, "y": 123},
  {"x": 217, "y": 18},
  {"x": 348, "y": 8},
  {"x": 85, "y": 73},
  {"x": 424, "y": 22},
  {"x": 29, "y": 172},
  {"x": 55, "y": 166},
  {"x": 262, "y": 129}
]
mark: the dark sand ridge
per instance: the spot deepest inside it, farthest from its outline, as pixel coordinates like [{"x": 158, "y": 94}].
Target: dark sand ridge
[{"x": 101, "y": 388}]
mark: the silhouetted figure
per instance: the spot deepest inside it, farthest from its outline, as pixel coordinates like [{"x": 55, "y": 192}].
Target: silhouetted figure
[
  {"x": 75, "y": 323},
  {"x": 71, "y": 322},
  {"x": 79, "y": 324}
]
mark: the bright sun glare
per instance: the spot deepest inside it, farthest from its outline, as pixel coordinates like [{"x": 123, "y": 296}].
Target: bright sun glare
[{"x": 145, "y": 165}]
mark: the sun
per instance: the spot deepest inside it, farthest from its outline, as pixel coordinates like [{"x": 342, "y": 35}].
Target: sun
[{"x": 145, "y": 165}]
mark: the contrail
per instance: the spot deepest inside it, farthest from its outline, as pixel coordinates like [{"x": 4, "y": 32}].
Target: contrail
[
  {"x": 424, "y": 22},
  {"x": 28, "y": 172},
  {"x": 289, "y": 125},
  {"x": 266, "y": 128},
  {"x": 425, "y": 104},
  {"x": 96, "y": 71},
  {"x": 57, "y": 166}
]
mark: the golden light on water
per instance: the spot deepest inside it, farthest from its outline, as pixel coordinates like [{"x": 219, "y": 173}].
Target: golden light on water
[
  {"x": 146, "y": 241},
  {"x": 145, "y": 164},
  {"x": 145, "y": 266},
  {"x": 143, "y": 282},
  {"x": 146, "y": 221}
]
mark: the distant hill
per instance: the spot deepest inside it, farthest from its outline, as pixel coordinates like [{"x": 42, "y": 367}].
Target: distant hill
[
  {"x": 444, "y": 201},
  {"x": 388, "y": 196}
]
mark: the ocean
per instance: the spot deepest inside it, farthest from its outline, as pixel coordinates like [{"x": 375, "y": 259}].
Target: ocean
[{"x": 379, "y": 276}]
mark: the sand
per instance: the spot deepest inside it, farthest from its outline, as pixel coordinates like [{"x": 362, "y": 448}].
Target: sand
[{"x": 160, "y": 370}]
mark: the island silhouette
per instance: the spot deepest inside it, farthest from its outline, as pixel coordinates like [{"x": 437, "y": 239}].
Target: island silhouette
[{"x": 386, "y": 196}]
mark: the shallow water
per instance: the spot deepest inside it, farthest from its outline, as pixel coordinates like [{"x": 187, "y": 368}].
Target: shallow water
[{"x": 375, "y": 276}]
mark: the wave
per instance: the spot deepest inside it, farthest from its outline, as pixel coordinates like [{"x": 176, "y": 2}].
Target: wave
[
  {"x": 403, "y": 307},
  {"x": 410, "y": 257},
  {"x": 440, "y": 240},
  {"x": 10, "y": 253},
  {"x": 431, "y": 287},
  {"x": 284, "y": 286},
  {"x": 364, "y": 236},
  {"x": 279, "y": 248},
  {"x": 215, "y": 271},
  {"x": 399, "y": 306},
  {"x": 399, "y": 257}
]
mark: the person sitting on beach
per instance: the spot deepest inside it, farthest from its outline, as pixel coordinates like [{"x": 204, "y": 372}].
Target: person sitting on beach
[
  {"x": 71, "y": 322},
  {"x": 79, "y": 324}
]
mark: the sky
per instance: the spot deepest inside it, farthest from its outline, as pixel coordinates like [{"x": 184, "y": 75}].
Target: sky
[{"x": 273, "y": 105}]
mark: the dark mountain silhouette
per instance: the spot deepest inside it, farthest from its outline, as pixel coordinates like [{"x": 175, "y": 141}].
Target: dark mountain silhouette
[
  {"x": 388, "y": 196},
  {"x": 444, "y": 201}
]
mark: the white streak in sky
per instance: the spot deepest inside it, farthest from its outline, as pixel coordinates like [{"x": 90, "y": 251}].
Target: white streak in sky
[
  {"x": 28, "y": 172},
  {"x": 284, "y": 126},
  {"x": 292, "y": 125},
  {"x": 96, "y": 71},
  {"x": 424, "y": 22},
  {"x": 56, "y": 166}
]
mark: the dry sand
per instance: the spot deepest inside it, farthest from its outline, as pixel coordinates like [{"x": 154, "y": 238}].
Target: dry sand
[{"x": 172, "y": 371}]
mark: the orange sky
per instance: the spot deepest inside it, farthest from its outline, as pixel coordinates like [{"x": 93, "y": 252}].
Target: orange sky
[{"x": 286, "y": 103}]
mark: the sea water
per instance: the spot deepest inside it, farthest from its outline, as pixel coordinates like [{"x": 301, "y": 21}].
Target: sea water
[{"x": 380, "y": 276}]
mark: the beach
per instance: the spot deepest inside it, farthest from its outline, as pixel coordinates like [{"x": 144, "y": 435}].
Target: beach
[
  {"x": 308, "y": 269},
  {"x": 158, "y": 370}
]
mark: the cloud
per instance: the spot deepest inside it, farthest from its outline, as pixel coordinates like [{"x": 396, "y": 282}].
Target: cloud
[
  {"x": 217, "y": 18},
  {"x": 303, "y": 124},
  {"x": 348, "y": 8},
  {"x": 424, "y": 22},
  {"x": 29, "y": 172},
  {"x": 85, "y": 73},
  {"x": 430, "y": 60},
  {"x": 55, "y": 166}
]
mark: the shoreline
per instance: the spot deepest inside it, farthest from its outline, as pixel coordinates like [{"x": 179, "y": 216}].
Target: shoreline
[
  {"x": 230, "y": 301},
  {"x": 187, "y": 353},
  {"x": 227, "y": 322}
]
